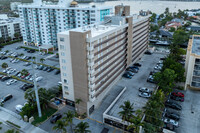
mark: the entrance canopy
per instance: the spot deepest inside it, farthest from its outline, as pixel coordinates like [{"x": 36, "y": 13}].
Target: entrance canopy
[{"x": 46, "y": 47}]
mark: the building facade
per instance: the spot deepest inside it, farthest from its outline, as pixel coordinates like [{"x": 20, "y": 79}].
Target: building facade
[
  {"x": 93, "y": 58},
  {"x": 8, "y": 28},
  {"x": 41, "y": 22},
  {"x": 192, "y": 64},
  {"x": 14, "y": 6}
]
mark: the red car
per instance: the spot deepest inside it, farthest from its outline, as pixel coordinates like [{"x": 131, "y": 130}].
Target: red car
[{"x": 178, "y": 94}]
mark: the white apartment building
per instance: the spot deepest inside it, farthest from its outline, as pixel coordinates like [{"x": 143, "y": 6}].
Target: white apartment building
[
  {"x": 8, "y": 27},
  {"x": 14, "y": 6},
  {"x": 93, "y": 57},
  {"x": 41, "y": 22}
]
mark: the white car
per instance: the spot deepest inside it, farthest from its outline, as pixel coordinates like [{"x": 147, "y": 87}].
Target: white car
[
  {"x": 170, "y": 121},
  {"x": 145, "y": 94},
  {"x": 144, "y": 89},
  {"x": 5, "y": 71},
  {"x": 12, "y": 81},
  {"x": 11, "y": 71},
  {"x": 39, "y": 79},
  {"x": 19, "y": 108}
]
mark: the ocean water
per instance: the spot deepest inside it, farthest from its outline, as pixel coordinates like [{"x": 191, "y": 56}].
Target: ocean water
[{"x": 154, "y": 6}]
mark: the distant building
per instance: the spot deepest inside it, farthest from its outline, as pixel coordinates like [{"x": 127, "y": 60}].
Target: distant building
[
  {"x": 40, "y": 22},
  {"x": 192, "y": 63},
  {"x": 144, "y": 13},
  {"x": 194, "y": 28},
  {"x": 8, "y": 27},
  {"x": 178, "y": 20},
  {"x": 14, "y": 6},
  {"x": 93, "y": 58},
  {"x": 192, "y": 12},
  {"x": 171, "y": 24}
]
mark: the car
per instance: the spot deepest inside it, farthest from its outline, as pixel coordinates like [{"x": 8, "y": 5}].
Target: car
[
  {"x": 173, "y": 105},
  {"x": 137, "y": 64},
  {"x": 57, "y": 72},
  {"x": 40, "y": 67},
  {"x": 6, "y": 98},
  {"x": 181, "y": 99},
  {"x": 151, "y": 79},
  {"x": 28, "y": 57},
  {"x": 144, "y": 89},
  {"x": 11, "y": 71},
  {"x": 31, "y": 51},
  {"x": 17, "y": 47},
  {"x": 3, "y": 57},
  {"x": 16, "y": 73},
  {"x": 1, "y": 76},
  {"x": 132, "y": 70},
  {"x": 105, "y": 130},
  {"x": 18, "y": 108},
  {"x": 5, "y": 78},
  {"x": 24, "y": 57},
  {"x": 126, "y": 75},
  {"x": 50, "y": 69},
  {"x": 25, "y": 87},
  {"x": 19, "y": 75},
  {"x": 12, "y": 81},
  {"x": 7, "y": 69},
  {"x": 148, "y": 52},
  {"x": 38, "y": 79},
  {"x": 130, "y": 73},
  {"x": 177, "y": 94},
  {"x": 173, "y": 116},
  {"x": 169, "y": 126},
  {"x": 27, "y": 64},
  {"x": 12, "y": 59},
  {"x": 145, "y": 94},
  {"x": 28, "y": 77},
  {"x": 134, "y": 67},
  {"x": 45, "y": 68},
  {"x": 162, "y": 58},
  {"x": 23, "y": 76},
  {"x": 55, "y": 117},
  {"x": 158, "y": 67},
  {"x": 170, "y": 121}
]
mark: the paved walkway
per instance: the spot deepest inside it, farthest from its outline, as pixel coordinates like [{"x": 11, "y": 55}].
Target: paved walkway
[{"x": 7, "y": 115}]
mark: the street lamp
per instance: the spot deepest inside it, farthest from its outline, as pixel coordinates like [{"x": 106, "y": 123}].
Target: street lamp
[{"x": 36, "y": 92}]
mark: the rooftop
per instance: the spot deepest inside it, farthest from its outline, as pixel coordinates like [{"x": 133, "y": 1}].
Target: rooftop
[
  {"x": 196, "y": 45},
  {"x": 9, "y": 20}
]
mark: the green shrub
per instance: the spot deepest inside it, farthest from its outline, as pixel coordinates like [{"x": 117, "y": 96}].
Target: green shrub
[{"x": 13, "y": 124}]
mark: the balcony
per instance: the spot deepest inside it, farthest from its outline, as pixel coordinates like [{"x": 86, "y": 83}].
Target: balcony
[
  {"x": 91, "y": 71},
  {"x": 91, "y": 86},
  {"x": 90, "y": 48},
  {"x": 195, "y": 84},
  {"x": 90, "y": 56},
  {"x": 91, "y": 92},
  {"x": 91, "y": 64},
  {"x": 91, "y": 79}
]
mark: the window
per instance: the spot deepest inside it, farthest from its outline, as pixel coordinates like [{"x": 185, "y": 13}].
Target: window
[
  {"x": 62, "y": 39},
  {"x": 63, "y": 61},
  {"x": 62, "y": 54},
  {"x": 65, "y": 81},
  {"x": 66, "y": 87},
  {"x": 62, "y": 47},
  {"x": 64, "y": 74},
  {"x": 64, "y": 67}
]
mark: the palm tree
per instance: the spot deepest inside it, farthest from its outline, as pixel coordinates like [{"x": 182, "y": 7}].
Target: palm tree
[
  {"x": 24, "y": 72},
  {"x": 78, "y": 101},
  {"x": 42, "y": 60},
  {"x": 69, "y": 119},
  {"x": 82, "y": 128},
  {"x": 60, "y": 127},
  {"x": 33, "y": 58},
  {"x": 4, "y": 65},
  {"x": 136, "y": 122},
  {"x": 22, "y": 54},
  {"x": 7, "y": 51},
  {"x": 127, "y": 111},
  {"x": 0, "y": 124}
]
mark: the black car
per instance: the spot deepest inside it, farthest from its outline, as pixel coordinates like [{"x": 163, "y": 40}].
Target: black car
[
  {"x": 148, "y": 52},
  {"x": 7, "y": 97},
  {"x": 3, "y": 57},
  {"x": 137, "y": 64},
  {"x": 173, "y": 116},
  {"x": 132, "y": 70},
  {"x": 181, "y": 99},
  {"x": 105, "y": 130},
  {"x": 31, "y": 51},
  {"x": 5, "y": 78},
  {"x": 40, "y": 67},
  {"x": 50, "y": 69},
  {"x": 126, "y": 75},
  {"x": 28, "y": 57},
  {"x": 173, "y": 105},
  {"x": 55, "y": 117},
  {"x": 57, "y": 72},
  {"x": 25, "y": 87},
  {"x": 17, "y": 73}
]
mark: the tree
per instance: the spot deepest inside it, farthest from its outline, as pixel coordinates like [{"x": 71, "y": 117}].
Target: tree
[
  {"x": 12, "y": 131},
  {"x": 136, "y": 121},
  {"x": 4, "y": 65},
  {"x": 7, "y": 51},
  {"x": 24, "y": 72},
  {"x": 149, "y": 128},
  {"x": 0, "y": 124},
  {"x": 2, "y": 40},
  {"x": 42, "y": 60},
  {"x": 165, "y": 79},
  {"x": 69, "y": 119},
  {"x": 16, "y": 35},
  {"x": 127, "y": 111},
  {"x": 22, "y": 54},
  {"x": 166, "y": 11},
  {"x": 9, "y": 39},
  {"x": 60, "y": 126},
  {"x": 172, "y": 29},
  {"x": 33, "y": 58},
  {"x": 29, "y": 109},
  {"x": 78, "y": 101},
  {"x": 82, "y": 128},
  {"x": 153, "y": 17},
  {"x": 180, "y": 37}
]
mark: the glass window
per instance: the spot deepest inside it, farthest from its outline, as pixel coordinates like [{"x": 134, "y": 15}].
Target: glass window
[
  {"x": 63, "y": 61},
  {"x": 64, "y": 74},
  {"x": 62, "y": 39},
  {"x": 65, "y": 81},
  {"x": 62, "y": 47}
]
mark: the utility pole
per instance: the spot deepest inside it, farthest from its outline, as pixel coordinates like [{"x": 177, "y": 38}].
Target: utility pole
[{"x": 36, "y": 93}]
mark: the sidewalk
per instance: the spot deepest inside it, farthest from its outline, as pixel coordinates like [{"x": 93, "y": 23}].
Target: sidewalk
[{"x": 25, "y": 127}]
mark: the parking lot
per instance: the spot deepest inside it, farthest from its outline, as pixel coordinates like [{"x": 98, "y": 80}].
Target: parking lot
[{"x": 49, "y": 79}]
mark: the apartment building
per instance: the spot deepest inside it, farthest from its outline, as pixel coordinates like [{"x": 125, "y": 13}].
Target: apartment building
[
  {"x": 40, "y": 22},
  {"x": 93, "y": 58},
  {"x": 8, "y": 27},
  {"x": 192, "y": 64}
]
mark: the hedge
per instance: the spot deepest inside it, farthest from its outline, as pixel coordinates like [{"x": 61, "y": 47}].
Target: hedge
[
  {"x": 29, "y": 48},
  {"x": 13, "y": 124},
  {"x": 11, "y": 42}
]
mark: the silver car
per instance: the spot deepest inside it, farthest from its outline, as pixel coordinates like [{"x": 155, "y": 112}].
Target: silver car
[
  {"x": 145, "y": 94},
  {"x": 144, "y": 89}
]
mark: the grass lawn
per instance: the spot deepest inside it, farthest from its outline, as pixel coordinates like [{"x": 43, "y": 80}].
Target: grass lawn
[{"x": 45, "y": 115}]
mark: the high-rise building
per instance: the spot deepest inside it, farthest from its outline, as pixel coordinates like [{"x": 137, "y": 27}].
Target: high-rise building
[
  {"x": 40, "y": 22},
  {"x": 192, "y": 63},
  {"x": 93, "y": 57},
  {"x": 8, "y": 28}
]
